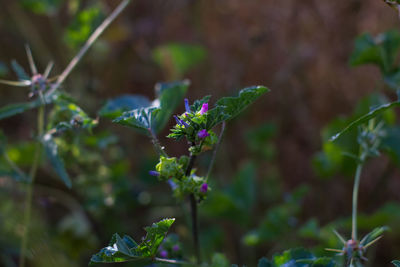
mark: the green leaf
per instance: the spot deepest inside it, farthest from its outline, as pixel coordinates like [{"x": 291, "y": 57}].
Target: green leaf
[
  {"x": 43, "y": 7},
  {"x": 157, "y": 113},
  {"x": 176, "y": 59},
  {"x": 229, "y": 107},
  {"x": 85, "y": 22},
  {"x": 381, "y": 50},
  {"x": 56, "y": 162},
  {"x": 170, "y": 96},
  {"x": 71, "y": 115},
  {"x": 155, "y": 235},
  {"x": 396, "y": 263},
  {"x": 263, "y": 262},
  {"x": 14, "y": 109},
  {"x": 126, "y": 249},
  {"x": 116, "y": 106},
  {"x": 370, "y": 115},
  {"x": 138, "y": 118},
  {"x": 371, "y": 236},
  {"x": 19, "y": 71}
]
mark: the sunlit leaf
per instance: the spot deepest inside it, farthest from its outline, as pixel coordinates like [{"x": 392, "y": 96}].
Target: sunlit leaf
[{"x": 126, "y": 249}]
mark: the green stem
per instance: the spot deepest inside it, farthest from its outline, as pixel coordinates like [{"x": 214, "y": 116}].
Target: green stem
[
  {"x": 193, "y": 210},
  {"x": 356, "y": 186},
  {"x": 29, "y": 194}
]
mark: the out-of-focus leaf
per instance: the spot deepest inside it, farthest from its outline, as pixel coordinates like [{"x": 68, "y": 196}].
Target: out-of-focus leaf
[
  {"x": 116, "y": 106},
  {"x": 169, "y": 95},
  {"x": 75, "y": 117},
  {"x": 126, "y": 249},
  {"x": 373, "y": 235},
  {"x": 43, "y": 7},
  {"x": 19, "y": 71},
  {"x": 84, "y": 24},
  {"x": 3, "y": 69},
  {"x": 332, "y": 158},
  {"x": 229, "y": 107},
  {"x": 396, "y": 263},
  {"x": 381, "y": 50},
  {"x": 263, "y": 262},
  {"x": 14, "y": 109},
  {"x": 3, "y": 141},
  {"x": 176, "y": 59},
  {"x": 370, "y": 115},
  {"x": 156, "y": 114},
  {"x": 300, "y": 257},
  {"x": 56, "y": 162},
  {"x": 219, "y": 260}
]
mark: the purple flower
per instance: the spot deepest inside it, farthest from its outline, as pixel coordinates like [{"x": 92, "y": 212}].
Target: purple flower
[
  {"x": 176, "y": 248},
  {"x": 154, "y": 173},
  {"x": 204, "y": 188},
  {"x": 187, "y": 107},
  {"x": 178, "y": 121},
  {"x": 204, "y": 108},
  {"x": 203, "y": 133},
  {"x": 172, "y": 184},
  {"x": 163, "y": 254}
]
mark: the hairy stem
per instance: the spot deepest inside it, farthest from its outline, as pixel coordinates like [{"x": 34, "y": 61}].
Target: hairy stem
[
  {"x": 193, "y": 209},
  {"x": 356, "y": 186},
  {"x": 29, "y": 194},
  {"x": 87, "y": 45}
]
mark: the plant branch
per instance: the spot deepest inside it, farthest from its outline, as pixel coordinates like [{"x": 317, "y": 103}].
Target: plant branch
[
  {"x": 356, "y": 186},
  {"x": 87, "y": 45},
  {"x": 29, "y": 196},
  {"x": 193, "y": 209}
]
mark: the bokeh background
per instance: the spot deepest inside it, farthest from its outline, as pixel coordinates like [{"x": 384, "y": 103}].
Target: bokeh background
[{"x": 269, "y": 192}]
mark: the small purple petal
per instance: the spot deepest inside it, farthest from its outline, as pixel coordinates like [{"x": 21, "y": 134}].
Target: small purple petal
[
  {"x": 187, "y": 107},
  {"x": 172, "y": 184},
  {"x": 154, "y": 173},
  {"x": 163, "y": 254},
  {"x": 178, "y": 121},
  {"x": 176, "y": 248},
  {"x": 184, "y": 123},
  {"x": 203, "y": 133},
  {"x": 204, "y": 108},
  {"x": 204, "y": 188}
]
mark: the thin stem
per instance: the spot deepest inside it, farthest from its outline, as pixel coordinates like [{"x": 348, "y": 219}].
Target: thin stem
[
  {"x": 32, "y": 175},
  {"x": 214, "y": 156},
  {"x": 195, "y": 226},
  {"x": 193, "y": 209},
  {"x": 356, "y": 186},
  {"x": 87, "y": 45},
  {"x": 157, "y": 144}
]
